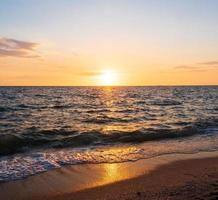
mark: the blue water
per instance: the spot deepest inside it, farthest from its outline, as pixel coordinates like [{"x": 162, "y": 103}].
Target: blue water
[{"x": 42, "y": 128}]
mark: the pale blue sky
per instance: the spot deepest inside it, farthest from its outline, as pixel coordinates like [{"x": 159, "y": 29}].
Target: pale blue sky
[
  {"x": 183, "y": 31},
  {"x": 178, "y": 20}
]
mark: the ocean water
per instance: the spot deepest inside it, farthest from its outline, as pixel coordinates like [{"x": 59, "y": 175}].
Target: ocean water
[{"x": 42, "y": 128}]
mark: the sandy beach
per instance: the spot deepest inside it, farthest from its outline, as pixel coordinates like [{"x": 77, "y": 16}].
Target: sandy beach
[
  {"x": 189, "y": 179},
  {"x": 191, "y": 176}
]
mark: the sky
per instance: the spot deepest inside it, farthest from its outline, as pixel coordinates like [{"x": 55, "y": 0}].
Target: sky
[{"x": 108, "y": 42}]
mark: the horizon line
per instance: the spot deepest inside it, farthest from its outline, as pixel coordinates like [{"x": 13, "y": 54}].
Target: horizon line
[{"x": 185, "y": 85}]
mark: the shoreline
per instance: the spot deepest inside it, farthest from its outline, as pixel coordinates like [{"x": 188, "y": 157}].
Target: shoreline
[
  {"x": 183, "y": 179},
  {"x": 146, "y": 178}
]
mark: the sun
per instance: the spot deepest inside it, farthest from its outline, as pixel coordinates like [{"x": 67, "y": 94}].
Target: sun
[{"x": 108, "y": 78}]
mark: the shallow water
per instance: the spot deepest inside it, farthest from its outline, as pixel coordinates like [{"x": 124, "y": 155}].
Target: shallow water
[{"x": 42, "y": 128}]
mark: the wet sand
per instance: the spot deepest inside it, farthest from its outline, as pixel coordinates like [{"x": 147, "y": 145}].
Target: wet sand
[
  {"x": 191, "y": 176},
  {"x": 182, "y": 180}
]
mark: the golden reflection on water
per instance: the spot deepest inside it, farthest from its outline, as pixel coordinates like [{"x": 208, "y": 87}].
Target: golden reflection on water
[
  {"x": 107, "y": 97},
  {"x": 111, "y": 171},
  {"x": 79, "y": 177},
  {"x": 114, "y": 172},
  {"x": 107, "y": 89}
]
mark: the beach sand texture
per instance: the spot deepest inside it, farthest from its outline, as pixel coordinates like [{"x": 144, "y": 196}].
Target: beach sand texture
[{"x": 166, "y": 177}]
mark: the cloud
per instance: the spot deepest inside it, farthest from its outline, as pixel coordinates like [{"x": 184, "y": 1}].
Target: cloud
[
  {"x": 90, "y": 74},
  {"x": 191, "y": 68},
  {"x": 17, "y": 48},
  {"x": 209, "y": 63},
  {"x": 184, "y": 67},
  {"x": 198, "y": 67}
]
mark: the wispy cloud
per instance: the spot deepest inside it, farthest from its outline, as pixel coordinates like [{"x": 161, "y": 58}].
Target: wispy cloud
[
  {"x": 209, "y": 63},
  {"x": 90, "y": 74},
  {"x": 17, "y": 48},
  {"x": 184, "y": 67},
  {"x": 199, "y": 67}
]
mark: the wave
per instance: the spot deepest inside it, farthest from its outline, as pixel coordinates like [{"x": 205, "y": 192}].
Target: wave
[
  {"x": 107, "y": 120},
  {"x": 33, "y": 107},
  {"x": 98, "y": 110},
  {"x": 61, "y": 138},
  {"x": 20, "y": 166},
  {"x": 62, "y": 106},
  {"x": 165, "y": 102},
  {"x": 5, "y": 109}
]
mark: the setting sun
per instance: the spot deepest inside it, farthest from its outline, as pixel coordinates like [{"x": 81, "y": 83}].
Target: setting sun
[{"x": 108, "y": 77}]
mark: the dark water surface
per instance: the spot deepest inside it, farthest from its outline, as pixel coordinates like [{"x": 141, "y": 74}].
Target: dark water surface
[{"x": 42, "y": 128}]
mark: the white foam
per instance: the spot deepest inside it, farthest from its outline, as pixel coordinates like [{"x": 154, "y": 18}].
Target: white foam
[{"x": 22, "y": 166}]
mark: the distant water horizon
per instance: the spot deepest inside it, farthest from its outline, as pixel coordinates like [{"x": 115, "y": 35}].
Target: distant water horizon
[
  {"x": 46, "y": 127},
  {"x": 184, "y": 85}
]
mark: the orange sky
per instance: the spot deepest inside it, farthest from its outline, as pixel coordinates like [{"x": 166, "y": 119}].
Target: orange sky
[{"x": 74, "y": 43}]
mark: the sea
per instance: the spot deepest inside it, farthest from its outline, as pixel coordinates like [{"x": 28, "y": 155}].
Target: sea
[{"x": 45, "y": 128}]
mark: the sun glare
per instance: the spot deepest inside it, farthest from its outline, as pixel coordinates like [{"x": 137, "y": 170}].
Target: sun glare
[{"x": 108, "y": 77}]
